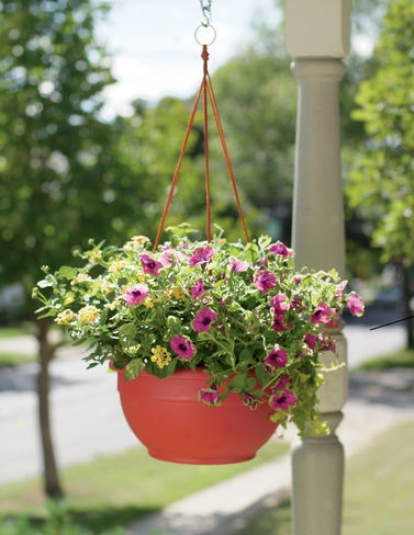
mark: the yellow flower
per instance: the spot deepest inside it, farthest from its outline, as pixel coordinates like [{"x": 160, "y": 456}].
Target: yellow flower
[
  {"x": 117, "y": 266},
  {"x": 65, "y": 317},
  {"x": 178, "y": 292},
  {"x": 160, "y": 356},
  {"x": 148, "y": 302},
  {"x": 95, "y": 256},
  {"x": 89, "y": 314},
  {"x": 133, "y": 349},
  {"x": 135, "y": 242},
  {"x": 81, "y": 277}
]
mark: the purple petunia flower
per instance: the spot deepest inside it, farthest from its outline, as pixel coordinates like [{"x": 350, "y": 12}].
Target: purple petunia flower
[
  {"x": 149, "y": 265},
  {"x": 203, "y": 319},
  {"x": 250, "y": 400},
  {"x": 198, "y": 288},
  {"x": 265, "y": 280},
  {"x": 323, "y": 314},
  {"x": 277, "y": 358},
  {"x": 279, "y": 305},
  {"x": 280, "y": 248},
  {"x": 238, "y": 266},
  {"x": 282, "y": 383},
  {"x": 135, "y": 295},
  {"x": 202, "y": 255},
  {"x": 283, "y": 401},
  {"x": 209, "y": 395},
  {"x": 183, "y": 347},
  {"x": 279, "y": 324},
  {"x": 355, "y": 305}
]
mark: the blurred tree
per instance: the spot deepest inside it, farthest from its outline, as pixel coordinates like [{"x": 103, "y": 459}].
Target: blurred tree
[
  {"x": 59, "y": 182},
  {"x": 382, "y": 185},
  {"x": 257, "y": 92}
]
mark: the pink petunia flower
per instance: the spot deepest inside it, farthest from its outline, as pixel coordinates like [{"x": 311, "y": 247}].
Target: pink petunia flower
[
  {"x": 340, "y": 288},
  {"x": 238, "y": 266},
  {"x": 283, "y": 401},
  {"x": 310, "y": 340},
  {"x": 202, "y": 255},
  {"x": 209, "y": 396},
  {"x": 323, "y": 314},
  {"x": 183, "y": 347},
  {"x": 135, "y": 295},
  {"x": 279, "y": 305},
  {"x": 250, "y": 400},
  {"x": 198, "y": 288},
  {"x": 277, "y": 358},
  {"x": 203, "y": 319},
  {"x": 282, "y": 383},
  {"x": 280, "y": 248},
  {"x": 356, "y": 305},
  {"x": 149, "y": 265},
  {"x": 279, "y": 324},
  {"x": 265, "y": 280}
]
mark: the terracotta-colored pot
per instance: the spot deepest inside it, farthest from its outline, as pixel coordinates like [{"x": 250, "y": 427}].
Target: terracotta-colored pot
[{"x": 167, "y": 418}]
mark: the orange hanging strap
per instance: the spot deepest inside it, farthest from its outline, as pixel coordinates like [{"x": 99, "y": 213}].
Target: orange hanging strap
[
  {"x": 178, "y": 167},
  {"x": 206, "y": 89}
]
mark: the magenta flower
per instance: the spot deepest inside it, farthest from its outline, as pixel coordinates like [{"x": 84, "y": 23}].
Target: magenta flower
[
  {"x": 280, "y": 248},
  {"x": 323, "y": 314},
  {"x": 198, "y": 288},
  {"x": 136, "y": 295},
  {"x": 202, "y": 255},
  {"x": 283, "y": 401},
  {"x": 340, "y": 288},
  {"x": 279, "y": 305},
  {"x": 238, "y": 266},
  {"x": 355, "y": 305},
  {"x": 203, "y": 319},
  {"x": 310, "y": 340},
  {"x": 209, "y": 396},
  {"x": 150, "y": 265},
  {"x": 251, "y": 401},
  {"x": 265, "y": 280},
  {"x": 183, "y": 347},
  {"x": 279, "y": 324},
  {"x": 277, "y": 358},
  {"x": 282, "y": 383}
]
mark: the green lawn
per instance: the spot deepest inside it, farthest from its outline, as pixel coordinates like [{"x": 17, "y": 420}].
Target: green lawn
[
  {"x": 404, "y": 358},
  {"x": 379, "y": 492},
  {"x": 114, "y": 490}
]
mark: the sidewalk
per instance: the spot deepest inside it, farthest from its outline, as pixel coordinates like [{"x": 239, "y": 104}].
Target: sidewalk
[{"x": 377, "y": 402}]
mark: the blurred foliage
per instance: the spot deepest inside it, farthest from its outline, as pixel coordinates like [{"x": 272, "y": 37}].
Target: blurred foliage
[{"x": 381, "y": 187}]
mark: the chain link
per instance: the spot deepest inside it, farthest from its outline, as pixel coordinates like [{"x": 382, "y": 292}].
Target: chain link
[{"x": 206, "y": 9}]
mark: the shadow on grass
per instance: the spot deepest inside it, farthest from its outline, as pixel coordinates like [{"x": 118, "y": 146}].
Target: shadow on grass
[{"x": 74, "y": 521}]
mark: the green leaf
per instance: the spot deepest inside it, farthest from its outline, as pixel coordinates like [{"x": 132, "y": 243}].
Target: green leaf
[
  {"x": 133, "y": 369},
  {"x": 68, "y": 272}
]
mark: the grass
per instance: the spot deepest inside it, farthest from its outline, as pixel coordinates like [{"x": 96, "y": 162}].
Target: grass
[
  {"x": 114, "y": 490},
  {"x": 378, "y": 492},
  {"x": 404, "y": 358},
  {"x": 14, "y": 359}
]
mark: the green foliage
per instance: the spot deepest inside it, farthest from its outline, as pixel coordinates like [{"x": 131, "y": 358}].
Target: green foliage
[
  {"x": 59, "y": 168},
  {"x": 257, "y": 95},
  {"x": 383, "y": 183}
]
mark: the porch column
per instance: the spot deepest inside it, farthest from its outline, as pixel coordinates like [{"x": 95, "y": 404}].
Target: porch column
[{"x": 317, "y": 38}]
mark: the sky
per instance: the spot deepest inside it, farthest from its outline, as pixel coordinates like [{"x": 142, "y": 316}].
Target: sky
[{"x": 154, "y": 52}]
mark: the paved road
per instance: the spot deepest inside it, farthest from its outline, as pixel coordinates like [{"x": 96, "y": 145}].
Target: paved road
[{"x": 86, "y": 415}]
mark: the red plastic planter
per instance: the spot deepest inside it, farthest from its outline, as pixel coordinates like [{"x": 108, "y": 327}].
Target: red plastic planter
[{"x": 167, "y": 418}]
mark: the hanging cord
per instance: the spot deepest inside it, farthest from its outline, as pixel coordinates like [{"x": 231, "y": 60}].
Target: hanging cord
[{"x": 206, "y": 89}]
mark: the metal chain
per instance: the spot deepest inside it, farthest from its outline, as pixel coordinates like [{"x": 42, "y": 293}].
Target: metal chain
[{"x": 206, "y": 9}]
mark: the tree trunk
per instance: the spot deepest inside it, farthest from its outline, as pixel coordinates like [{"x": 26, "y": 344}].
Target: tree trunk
[
  {"x": 51, "y": 482},
  {"x": 407, "y": 294}
]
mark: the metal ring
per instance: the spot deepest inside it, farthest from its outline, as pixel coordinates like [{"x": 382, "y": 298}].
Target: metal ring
[{"x": 205, "y": 34}]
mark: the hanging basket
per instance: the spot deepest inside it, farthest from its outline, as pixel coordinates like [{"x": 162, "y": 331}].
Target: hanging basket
[{"x": 167, "y": 418}]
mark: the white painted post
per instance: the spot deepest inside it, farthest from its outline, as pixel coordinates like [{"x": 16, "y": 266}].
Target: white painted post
[{"x": 317, "y": 38}]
